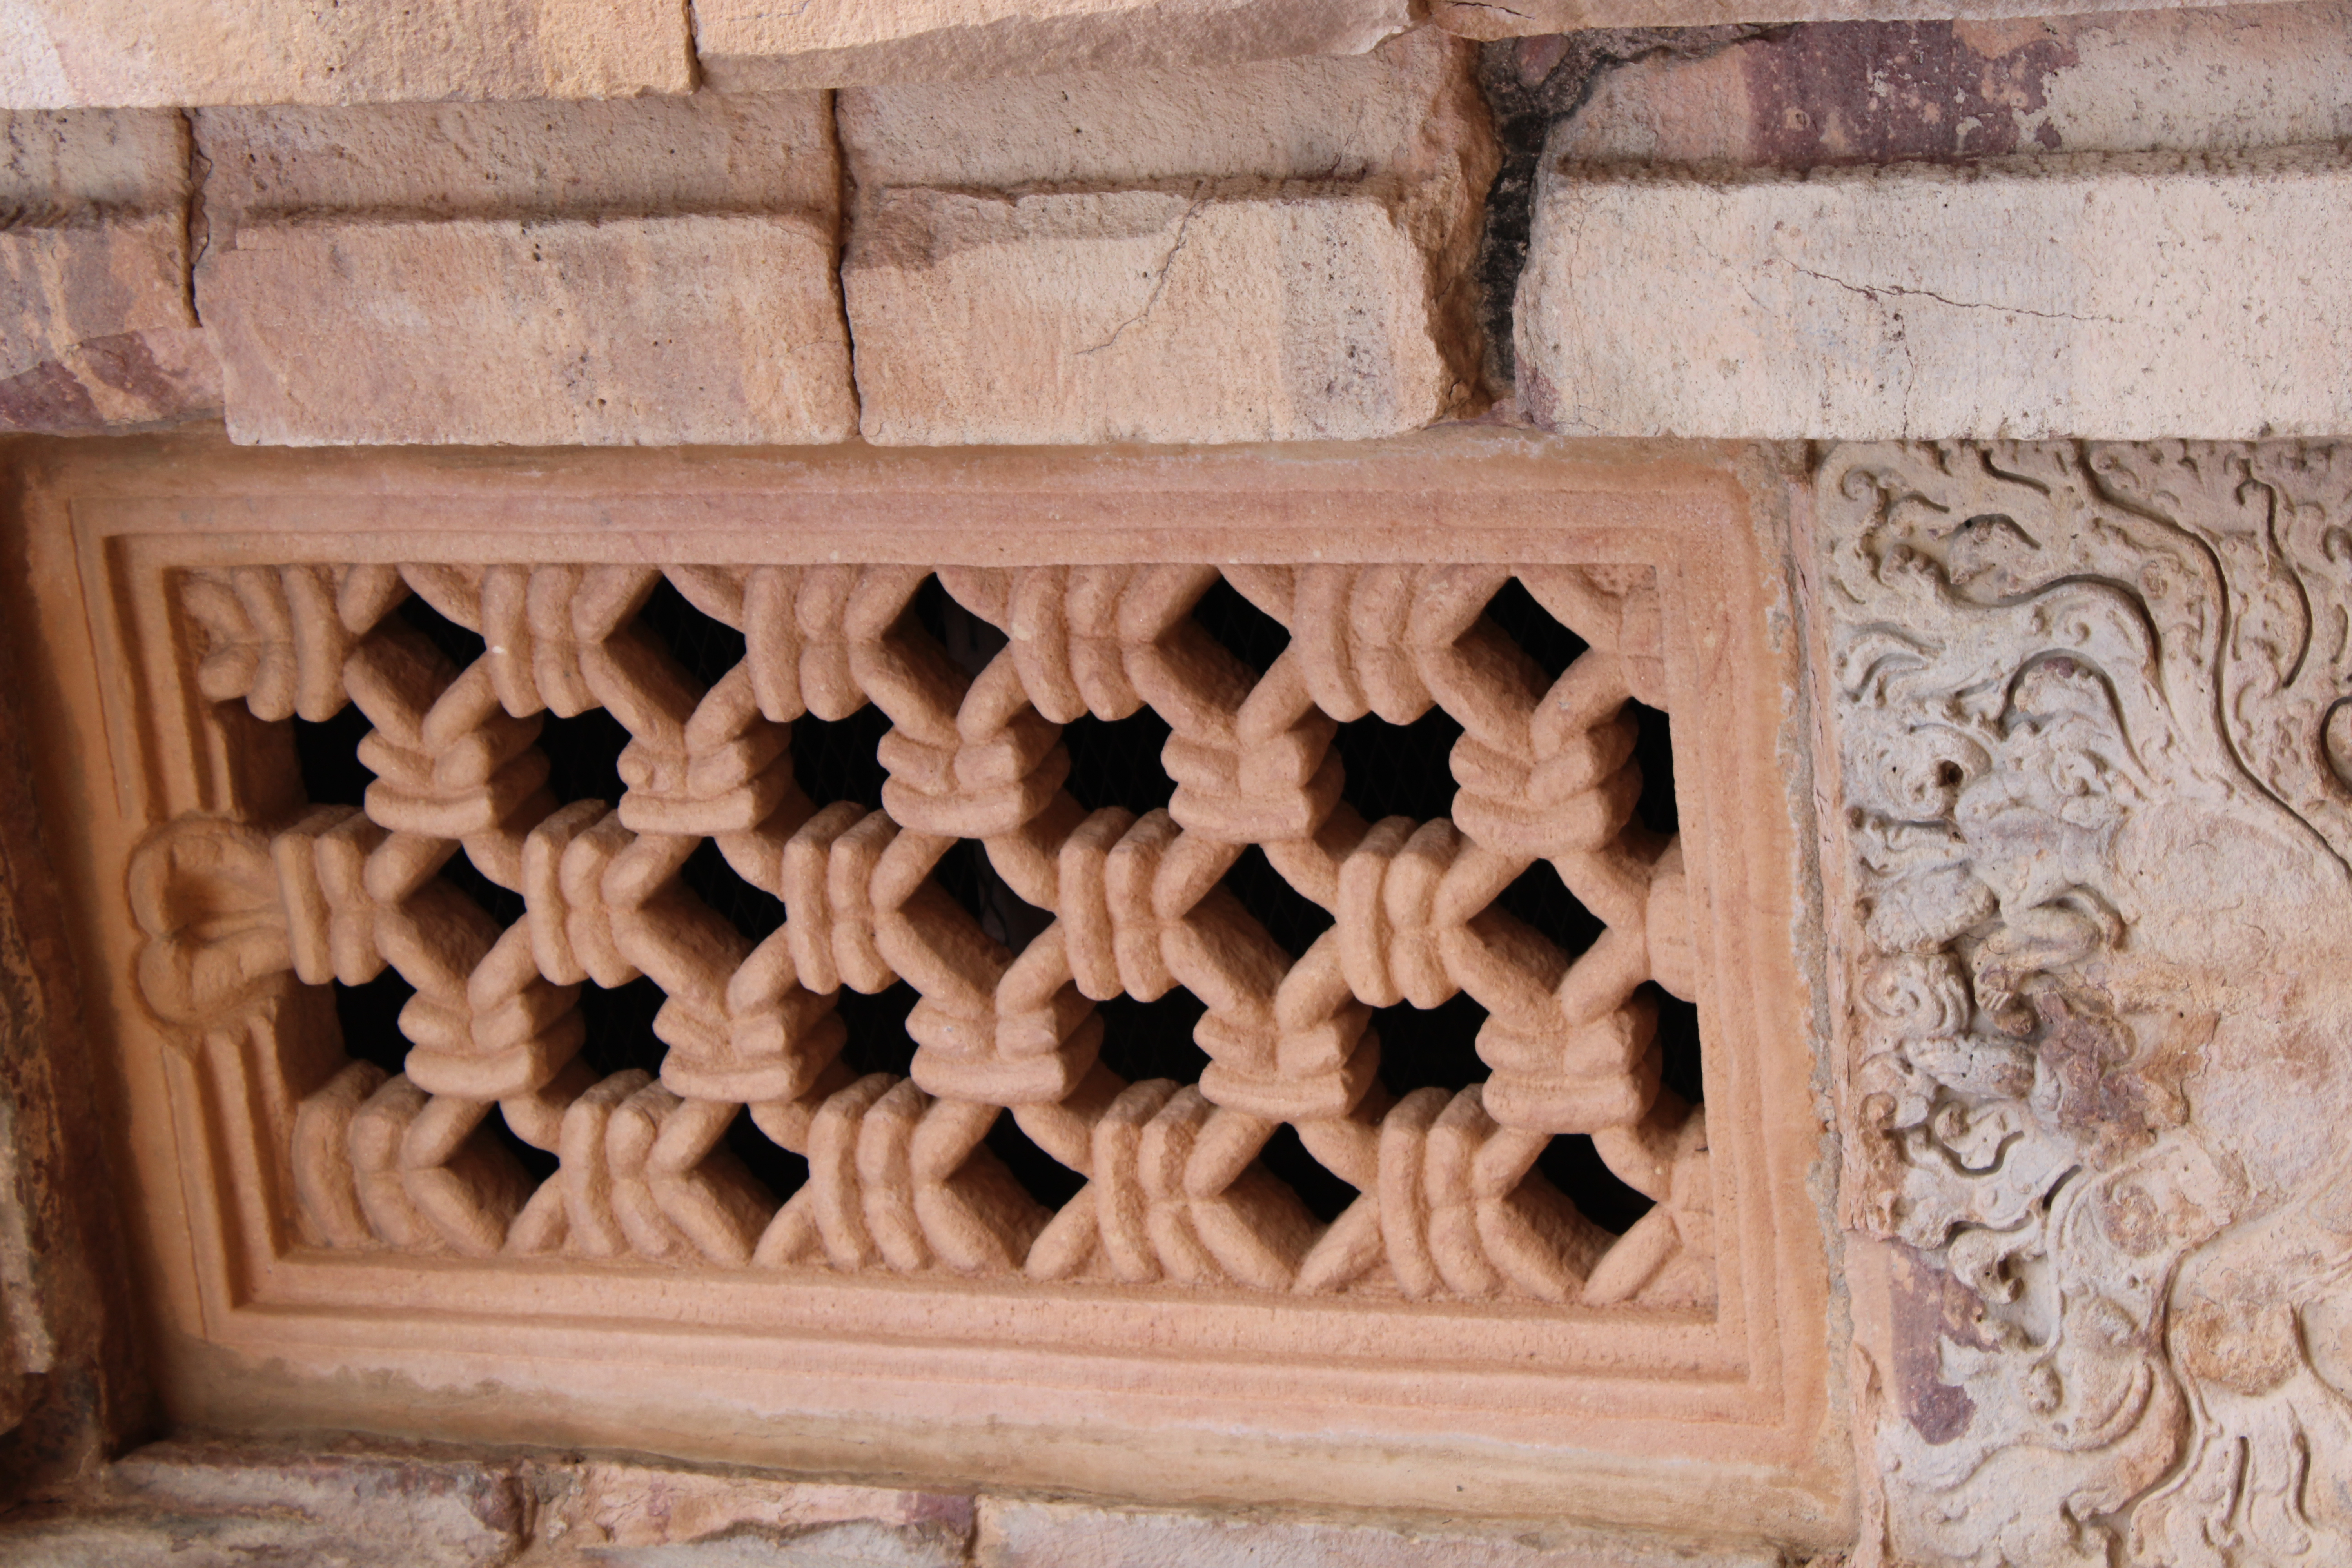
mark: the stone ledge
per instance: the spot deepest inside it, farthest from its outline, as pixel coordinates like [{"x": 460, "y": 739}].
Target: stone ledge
[
  {"x": 2124, "y": 298},
  {"x": 1024, "y": 1534},
  {"x": 71, "y": 54},
  {"x": 370, "y": 1504},
  {"x": 746, "y": 44},
  {"x": 740, "y": 153},
  {"x": 2222, "y": 80},
  {"x": 1531, "y": 18}
]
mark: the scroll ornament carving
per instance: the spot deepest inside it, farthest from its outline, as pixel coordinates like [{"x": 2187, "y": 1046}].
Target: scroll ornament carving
[
  {"x": 2089, "y": 705},
  {"x": 900, "y": 1177}
]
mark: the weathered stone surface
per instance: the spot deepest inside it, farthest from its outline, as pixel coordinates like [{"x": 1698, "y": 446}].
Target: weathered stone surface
[
  {"x": 95, "y": 326},
  {"x": 95, "y": 329},
  {"x": 134, "y": 1538},
  {"x": 2194, "y": 80},
  {"x": 694, "y": 298},
  {"x": 706, "y": 153},
  {"x": 67, "y": 54},
  {"x": 1527, "y": 18},
  {"x": 390, "y": 1504},
  {"x": 1179, "y": 1345},
  {"x": 1140, "y": 316},
  {"x": 644, "y": 1516},
  {"x": 1269, "y": 252},
  {"x": 2133, "y": 296},
  {"x": 1408, "y": 111},
  {"x": 2088, "y": 710},
  {"x": 653, "y": 331},
  {"x": 365, "y": 1503},
  {"x": 1017, "y": 1534},
  {"x": 747, "y": 44},
  {"x": 855, "y": 1544},
  {"x": 69, "y": 1381},
  {"x": 101, "y": 159}
]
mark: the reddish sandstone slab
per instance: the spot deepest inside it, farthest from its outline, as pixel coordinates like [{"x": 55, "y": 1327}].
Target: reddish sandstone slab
[{"x": 653, "y": 331}]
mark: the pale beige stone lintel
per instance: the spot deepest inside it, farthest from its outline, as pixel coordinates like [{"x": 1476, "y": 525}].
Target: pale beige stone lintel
[{"x": 2125, "y": 297}]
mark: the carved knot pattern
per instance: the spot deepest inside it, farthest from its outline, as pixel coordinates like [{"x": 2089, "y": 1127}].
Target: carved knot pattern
[{"x": 903, "y": 1169}]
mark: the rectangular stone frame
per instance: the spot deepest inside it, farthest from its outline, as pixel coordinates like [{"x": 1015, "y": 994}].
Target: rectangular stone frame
[{"x": 1609, "y": 1414}]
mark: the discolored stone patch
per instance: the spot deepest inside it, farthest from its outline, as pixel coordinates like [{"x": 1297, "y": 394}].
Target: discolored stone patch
[{"x": 1886, "y": 92}]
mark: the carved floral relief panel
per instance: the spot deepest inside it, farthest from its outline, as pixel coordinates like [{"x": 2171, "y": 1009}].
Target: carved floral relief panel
[
  {"x": 939, "y": 945},
  {"x": 2092, "y": 711}
]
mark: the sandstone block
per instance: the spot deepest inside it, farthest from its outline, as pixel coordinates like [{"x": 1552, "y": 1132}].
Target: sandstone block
[
  {"x": 234, "y": 1504},
  {"x": 748, "y": 45},
  {"x": 2123, "y": 296},
  {"x": 2226, "y": 80},
  {"x": 93, "y": 158},
  {"x": 1409, "y": 110},
  {"x": 95, "y": 326},
  {"x": 1271, "y": 251},
  {"x": 744, "y": 153},
  {"x": 95, "y": 329},
  {"x": 65, "y": 54},
  {"x": 1142, "y": 316},
  {"x": 1531, "y": 18},
  {"x": 654, "y": 331},
  {"x": 621, "y": 1514},
  {"x": 1014, "y": 1534},
  {"x": 139, "y": 1540}
]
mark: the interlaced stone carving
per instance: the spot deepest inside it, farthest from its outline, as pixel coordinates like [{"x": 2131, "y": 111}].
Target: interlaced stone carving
[{"x": 900, "y": 1176}]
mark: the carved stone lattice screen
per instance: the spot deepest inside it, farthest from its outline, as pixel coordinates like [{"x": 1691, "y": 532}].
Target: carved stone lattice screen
[{"x": 1267, "y": 977}]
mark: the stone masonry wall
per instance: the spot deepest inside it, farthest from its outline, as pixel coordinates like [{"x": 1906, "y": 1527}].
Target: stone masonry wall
[
  {"x": 1213, "y": 222},
  {"x": 2036, "y": 314}
]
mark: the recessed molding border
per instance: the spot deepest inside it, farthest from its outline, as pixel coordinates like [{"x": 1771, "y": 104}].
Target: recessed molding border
[{"x": 1724, "y": 1419}]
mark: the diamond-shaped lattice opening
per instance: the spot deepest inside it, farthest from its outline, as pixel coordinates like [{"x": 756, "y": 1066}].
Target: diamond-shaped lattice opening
[
  {"x": 1116, "y": 762},
  {"x": 1011, "y": 1035},
  {"x": 1239, "y": 626},
  {"x": 1041, "y": 1175},
  {"x": 706, "y": 648}
]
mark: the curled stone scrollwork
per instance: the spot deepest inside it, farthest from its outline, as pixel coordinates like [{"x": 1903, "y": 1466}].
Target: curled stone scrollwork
[{"x": 2091, "y": 714}]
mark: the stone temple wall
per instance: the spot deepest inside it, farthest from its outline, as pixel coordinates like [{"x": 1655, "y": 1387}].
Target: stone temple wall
[{"x": 1068, "y": 781}]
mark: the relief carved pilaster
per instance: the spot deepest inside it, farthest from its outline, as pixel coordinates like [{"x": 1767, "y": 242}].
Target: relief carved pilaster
[{"x": 2092, "y": 707}]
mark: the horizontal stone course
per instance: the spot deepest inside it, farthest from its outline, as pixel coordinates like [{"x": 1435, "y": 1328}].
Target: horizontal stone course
[
  {"x": 361, "y": 1503},
  {"x": 1407, "y": 109},
  {"x": 1139, "y": 316},
  {"x": 365, "y": 1503},
  {"x": 660, "y": 330},
  {"x": 1023, "y": 1535},
  {"x": 744, "y": 153},
  {"x": 750, "y": 45},
  {"x": 1268, "y": 252},
  {"x": 1530, "y": 18},
  {"x": 70, "y": 54},
  {"x": 651, "y": 272},
  {"x": 1873, "y": 92},
  {"x": 2113, "y": 298}
]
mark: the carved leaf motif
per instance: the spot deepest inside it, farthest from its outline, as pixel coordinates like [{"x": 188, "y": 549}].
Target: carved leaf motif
[{"x": 2084, "y": 714}]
